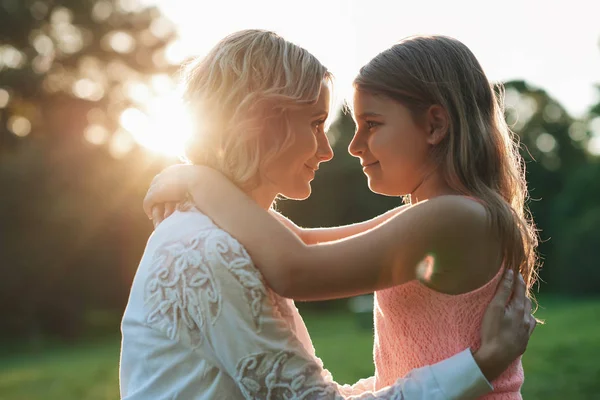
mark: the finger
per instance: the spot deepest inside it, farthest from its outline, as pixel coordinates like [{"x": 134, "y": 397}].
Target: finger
[
  {"x": 154, "y": 197},
  {"x": 505, "y": 289},
  {"x": 169, "y": 209},
  {"x": 148, "y": 203},
  {"x": 154, "y": 180},
  {"x": 528, "y": 305},
  {"x": 532, "y": 324},
  {"x": 518, "y": 300},
  {"x": 157, "y": 214}
]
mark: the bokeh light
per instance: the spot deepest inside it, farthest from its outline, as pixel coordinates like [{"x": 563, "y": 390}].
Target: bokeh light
[
  {"x": 88, "y": 90},
  {"x": 43, "y": 44},
  {"x": 11, "y": 57},
  {"x": 96, "y": 134},
  {"x": 594, "y": 146},
  {"x": 102, "y": 11},
  {"x": 577, "y": 131},
  {"x": 4, "y": 98},
  {"x": 121, "y": 143},
  {"x": 594, "y": 143},
  {"x": 176, "y": 52},
  {"x": 20, "y": 126},
  {"x": 546, "y": 142},
  {"x": 121, "y": 42}
]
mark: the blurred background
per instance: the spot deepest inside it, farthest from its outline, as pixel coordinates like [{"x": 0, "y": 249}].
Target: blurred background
[{"x": 89, "y": 114}]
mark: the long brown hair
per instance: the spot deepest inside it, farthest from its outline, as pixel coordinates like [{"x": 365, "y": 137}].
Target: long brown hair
[{"x": 479, "y": 156}]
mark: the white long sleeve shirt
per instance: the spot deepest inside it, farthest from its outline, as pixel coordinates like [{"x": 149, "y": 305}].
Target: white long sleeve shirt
[{"x": 201, "y": 324}]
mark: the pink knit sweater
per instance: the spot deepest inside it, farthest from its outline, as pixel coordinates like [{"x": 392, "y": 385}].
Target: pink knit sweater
[{"x": 417, "y": 326}]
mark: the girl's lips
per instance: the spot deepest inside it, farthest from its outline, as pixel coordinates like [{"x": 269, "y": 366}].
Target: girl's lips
[{"x": 365, "y": 166}]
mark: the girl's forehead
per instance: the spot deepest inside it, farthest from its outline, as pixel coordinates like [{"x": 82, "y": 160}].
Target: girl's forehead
[{"x": 369, "y": 102}]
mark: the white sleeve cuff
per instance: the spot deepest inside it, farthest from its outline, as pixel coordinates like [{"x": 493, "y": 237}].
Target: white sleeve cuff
[{"x": 460, "y": 378}]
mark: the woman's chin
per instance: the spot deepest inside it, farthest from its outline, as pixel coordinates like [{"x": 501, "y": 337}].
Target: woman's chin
[{"x": 302, "y": 192}]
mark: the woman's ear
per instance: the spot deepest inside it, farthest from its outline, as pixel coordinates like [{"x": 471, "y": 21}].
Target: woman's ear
[{"x": 437, "y": 124}]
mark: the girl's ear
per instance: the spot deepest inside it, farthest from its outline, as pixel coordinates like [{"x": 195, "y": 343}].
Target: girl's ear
[{"x": 437, "y": 124}]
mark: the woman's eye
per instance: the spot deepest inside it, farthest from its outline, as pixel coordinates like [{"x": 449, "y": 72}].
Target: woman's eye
[
  {"x": 318, "y": 124},
  {"x": 372, "y": 124}
]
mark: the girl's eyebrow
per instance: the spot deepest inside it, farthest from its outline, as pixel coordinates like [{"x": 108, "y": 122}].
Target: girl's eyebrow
[{"x": 367, "y": 114}]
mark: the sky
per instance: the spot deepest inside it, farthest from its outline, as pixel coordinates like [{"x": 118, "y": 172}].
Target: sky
[{"x": 550, "y": 44}]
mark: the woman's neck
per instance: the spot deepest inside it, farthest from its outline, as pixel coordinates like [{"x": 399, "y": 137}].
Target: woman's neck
[{"x": 263, "y": 195}]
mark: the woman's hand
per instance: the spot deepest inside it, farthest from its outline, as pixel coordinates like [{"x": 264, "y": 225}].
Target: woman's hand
[
  {"x": 506, "y": 327},
  {"x": 167, "y": 189}
]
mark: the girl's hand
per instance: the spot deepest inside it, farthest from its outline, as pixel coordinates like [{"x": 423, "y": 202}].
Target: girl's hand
[
  {"x": 160, "y": 212},
  {"x": 167, "y": 189}
]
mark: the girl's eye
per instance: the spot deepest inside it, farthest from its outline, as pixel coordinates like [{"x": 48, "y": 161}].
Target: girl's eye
[{"x": 372, "y": 124}]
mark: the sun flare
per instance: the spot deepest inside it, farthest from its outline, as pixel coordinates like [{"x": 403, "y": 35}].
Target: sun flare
[{"x": 163, "y": 126}]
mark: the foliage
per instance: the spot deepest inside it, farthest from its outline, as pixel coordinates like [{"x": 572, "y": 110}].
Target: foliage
[
  {"x": 70, "y": 66},
  {"x": 71, "y": 233}
]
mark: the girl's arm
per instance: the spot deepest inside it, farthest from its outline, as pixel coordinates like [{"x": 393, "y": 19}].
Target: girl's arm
[
  {"x": 451, "y": 229},
  {"x": 322, "y": 235}
]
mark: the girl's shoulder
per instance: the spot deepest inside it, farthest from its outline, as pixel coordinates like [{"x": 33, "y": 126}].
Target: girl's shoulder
[{"x": 467, "y": 252}]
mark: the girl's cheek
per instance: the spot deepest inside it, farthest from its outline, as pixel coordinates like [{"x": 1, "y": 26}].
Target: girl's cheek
[{"x": 376, "y": 141}]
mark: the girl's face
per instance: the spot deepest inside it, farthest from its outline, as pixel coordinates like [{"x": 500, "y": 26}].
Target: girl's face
[
  {"x": 393, "y": 148},
  {"x": 292, "y": 170}
]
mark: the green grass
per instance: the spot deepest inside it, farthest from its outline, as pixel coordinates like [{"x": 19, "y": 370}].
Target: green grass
[
  {"x": 563, "y": 357},
  {"x": 561, "y": 361}
]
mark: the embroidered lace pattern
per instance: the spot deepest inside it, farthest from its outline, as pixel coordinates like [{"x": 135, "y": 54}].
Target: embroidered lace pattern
[
  {"x": 182, "y": 293},
  {"x": 264, "y": 376}
]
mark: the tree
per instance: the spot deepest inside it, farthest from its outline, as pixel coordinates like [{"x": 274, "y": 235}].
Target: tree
[
  {"x": 68, "y": 64},
  {"x": 72, "y": 227},
  {"x": 576, "y": 220}
]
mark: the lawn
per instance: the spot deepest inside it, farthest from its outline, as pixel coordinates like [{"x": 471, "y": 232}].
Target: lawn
[{"x": 561, "y": 361}]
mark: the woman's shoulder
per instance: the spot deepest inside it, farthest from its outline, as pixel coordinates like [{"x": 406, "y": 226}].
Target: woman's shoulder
[
  {"x": 193, "y": 233},
  {"x": 195, "y": 270}
]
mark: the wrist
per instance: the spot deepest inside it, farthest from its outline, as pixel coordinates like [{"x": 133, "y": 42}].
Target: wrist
[
  {"x": 197, "y": 175},
  {"x": 490, "y": 362},
  {"x": 300, "y": 232}
]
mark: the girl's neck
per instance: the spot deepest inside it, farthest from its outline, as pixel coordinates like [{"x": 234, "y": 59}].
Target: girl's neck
[{"x": 432, "y": 185}]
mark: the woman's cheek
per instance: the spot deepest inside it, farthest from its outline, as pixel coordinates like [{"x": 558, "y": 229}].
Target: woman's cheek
[{"x": 311, "y": 143}]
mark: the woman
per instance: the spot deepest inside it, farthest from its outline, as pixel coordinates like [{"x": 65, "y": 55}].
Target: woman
[{"x": 200, "y": 322}]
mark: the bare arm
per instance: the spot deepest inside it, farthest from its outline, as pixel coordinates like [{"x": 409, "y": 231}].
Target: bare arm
[
  {"x": 323, "y": 235},
  {"x": 376, "y": 259}
]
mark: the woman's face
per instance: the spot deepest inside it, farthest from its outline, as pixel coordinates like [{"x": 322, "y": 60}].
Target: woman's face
[
  {"x": 292, "y": 170},
  {"x": 393, "y": 148}
]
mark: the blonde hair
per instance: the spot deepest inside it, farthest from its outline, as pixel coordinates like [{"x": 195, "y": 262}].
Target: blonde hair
[
  {"x": 479, "y": 156},
  {"x": 238, "y": 95}
]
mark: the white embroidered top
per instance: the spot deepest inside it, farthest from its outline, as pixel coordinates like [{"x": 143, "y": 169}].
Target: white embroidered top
[{"x": 201, "y": 324}]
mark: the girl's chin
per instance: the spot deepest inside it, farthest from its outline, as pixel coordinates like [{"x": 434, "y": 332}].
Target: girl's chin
[{"x": 380, "y": 187}]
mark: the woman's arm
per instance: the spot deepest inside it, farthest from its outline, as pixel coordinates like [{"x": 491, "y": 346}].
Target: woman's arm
[
  {"x": 379, "y": 258},
  {"x": 323, "y": 235}
]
